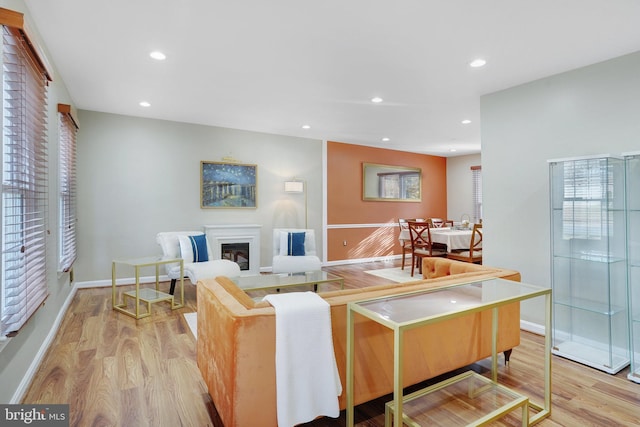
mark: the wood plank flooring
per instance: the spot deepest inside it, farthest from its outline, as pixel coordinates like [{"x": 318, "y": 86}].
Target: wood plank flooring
[{"x": 114, "y": 371}]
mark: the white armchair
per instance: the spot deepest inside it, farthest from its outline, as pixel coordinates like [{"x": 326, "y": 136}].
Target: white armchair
[
  {"x": 170, "y": 243},
  {"x": 285, "y": 263}
]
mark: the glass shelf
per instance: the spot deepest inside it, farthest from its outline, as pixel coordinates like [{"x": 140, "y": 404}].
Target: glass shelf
[
  {"x": 149, "y": 295},
  {"x": 597, "y": 307},
  {"x": 468, "y": 398},
  {"x": 591, "y": 257}
]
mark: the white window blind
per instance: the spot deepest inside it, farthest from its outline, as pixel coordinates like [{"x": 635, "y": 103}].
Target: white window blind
[
  {"x": 68, "y": 127},
  {"x": 24, "y": 185},
  {"x": 476, "y": 177}
]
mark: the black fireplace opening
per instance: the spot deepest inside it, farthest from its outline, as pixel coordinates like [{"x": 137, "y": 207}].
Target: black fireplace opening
[{"x": 236, "y": 252}]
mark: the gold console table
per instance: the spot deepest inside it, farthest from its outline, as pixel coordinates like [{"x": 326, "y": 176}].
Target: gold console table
[
  {"x": 407, "y": 311},
  {"x": 145, "y": 295}
]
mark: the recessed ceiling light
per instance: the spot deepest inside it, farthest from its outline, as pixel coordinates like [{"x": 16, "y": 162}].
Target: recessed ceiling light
[
  {"x": 145, "y": 104},
  {"x": 158, "y": 55},
  {"x": 306, "y": 127},
  {"x": 376, "y": 100},
  {"x": 479, "y": 62},
  {"x": 452, "y": 150},
  {"x": 385, "y": 139},
  {"x": 466, "y": 122}
]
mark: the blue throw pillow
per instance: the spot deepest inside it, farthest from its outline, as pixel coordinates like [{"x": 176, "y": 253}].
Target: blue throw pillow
[
  {"x": 295, "y": 245},
  {"x": 199, "y": 246}
]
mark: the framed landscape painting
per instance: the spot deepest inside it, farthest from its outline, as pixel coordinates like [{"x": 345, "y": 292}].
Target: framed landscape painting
[{"x": 227, "y": 185}]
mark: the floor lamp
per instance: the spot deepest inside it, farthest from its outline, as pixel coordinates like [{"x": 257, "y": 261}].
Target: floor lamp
[{"x": 294, "y": 186}]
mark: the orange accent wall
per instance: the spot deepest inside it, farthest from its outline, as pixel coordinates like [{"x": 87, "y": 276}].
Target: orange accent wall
[{"x": 345, "y": 204}]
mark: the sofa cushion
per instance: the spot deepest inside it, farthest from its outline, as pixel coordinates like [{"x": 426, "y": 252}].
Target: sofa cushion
[
  {"x": 292, "y": 243},
  {"x": 280, "y": 236},
  {"x": 194, "y": 248}
]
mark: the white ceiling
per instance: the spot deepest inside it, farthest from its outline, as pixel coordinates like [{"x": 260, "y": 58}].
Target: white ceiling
[{"x": 273, "y": 66}]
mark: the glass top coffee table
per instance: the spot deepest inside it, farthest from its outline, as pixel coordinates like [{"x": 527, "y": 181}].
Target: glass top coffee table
[{"x": 283, "y": 280}]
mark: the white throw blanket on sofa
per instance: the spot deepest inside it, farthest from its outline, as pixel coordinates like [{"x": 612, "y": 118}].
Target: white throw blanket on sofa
[{"x": 307, "y": 380}]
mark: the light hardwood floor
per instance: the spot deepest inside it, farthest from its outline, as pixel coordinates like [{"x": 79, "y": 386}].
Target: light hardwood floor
[{"x": 114, "y": 371}]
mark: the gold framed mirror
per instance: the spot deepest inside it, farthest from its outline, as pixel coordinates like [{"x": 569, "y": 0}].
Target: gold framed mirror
[{"x": 391, "y": 183}]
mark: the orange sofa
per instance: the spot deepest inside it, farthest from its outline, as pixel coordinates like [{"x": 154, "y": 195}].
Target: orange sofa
[{"x": 236, "y": 342}]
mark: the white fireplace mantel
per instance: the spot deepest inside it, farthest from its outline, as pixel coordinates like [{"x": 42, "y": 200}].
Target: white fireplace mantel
[{"x": 236, "y": 233}]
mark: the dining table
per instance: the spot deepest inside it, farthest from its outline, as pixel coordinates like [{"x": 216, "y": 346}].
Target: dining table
[{"x": 453, "y": 238}]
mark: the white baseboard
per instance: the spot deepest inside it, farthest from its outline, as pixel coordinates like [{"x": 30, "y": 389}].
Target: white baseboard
[
  {"x": 534, "y": 328},
  {"x": 4, "y": 341},
  {"x": 42, "y": 351},
  {"x": 120, "y": 282},
  {"x": 361, "y": 260}
]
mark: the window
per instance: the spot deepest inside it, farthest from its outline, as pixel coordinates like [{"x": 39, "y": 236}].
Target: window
[
  {"x": 67, "y": 247},
  {"x": 476, "y": 177},
  {"x": 24, "y": 176},
  {"x": 399, "y": 185}
]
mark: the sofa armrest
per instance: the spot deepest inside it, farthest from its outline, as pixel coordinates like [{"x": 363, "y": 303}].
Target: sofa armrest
[
  {"x": 237, "y": 293},
  {"x": 295, "y": 264},
  {"x": 235, "y": 348}
]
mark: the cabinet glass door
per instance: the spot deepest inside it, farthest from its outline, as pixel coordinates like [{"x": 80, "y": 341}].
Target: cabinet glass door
[{"x": 633, "y": 255}]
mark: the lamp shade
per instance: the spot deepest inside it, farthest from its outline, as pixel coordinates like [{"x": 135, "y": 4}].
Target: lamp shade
[{"x": 294, "y": 186}]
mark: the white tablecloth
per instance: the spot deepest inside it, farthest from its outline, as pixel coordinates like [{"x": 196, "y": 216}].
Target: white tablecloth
[{"x": 454, "y": 239}]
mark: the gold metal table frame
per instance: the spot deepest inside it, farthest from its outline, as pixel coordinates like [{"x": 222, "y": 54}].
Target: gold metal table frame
[
  {"x": 145, "y": 295},
  {"x": 430, "y": 309}
]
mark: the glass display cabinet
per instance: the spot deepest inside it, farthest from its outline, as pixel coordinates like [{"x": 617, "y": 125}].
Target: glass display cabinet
[
  {"x": 632, "y": 162},
  {"x": 588, "y": 261}
]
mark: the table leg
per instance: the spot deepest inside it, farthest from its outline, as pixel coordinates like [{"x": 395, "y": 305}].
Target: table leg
[
  {"x": 138, "y": 293},
  {"x": 175, "y": 305},
  {"x": 494, "y": 345},
  {"x": 397, "y": 379},
  {"x": 350, "y": 375}
]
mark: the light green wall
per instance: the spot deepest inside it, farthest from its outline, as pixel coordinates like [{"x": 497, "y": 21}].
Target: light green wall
[
  {"x": 591, "y": 110},
  {"x": 460, "y": 185},
  {"x": 137, "y": 177}
]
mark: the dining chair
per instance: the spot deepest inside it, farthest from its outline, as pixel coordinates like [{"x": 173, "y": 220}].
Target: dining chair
[
  {"x": 421, "y": 244},
  {"x": 474, "y": 254},
  {"x": 439, "y": 222},
  {"x": 405, "y": 236}
]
